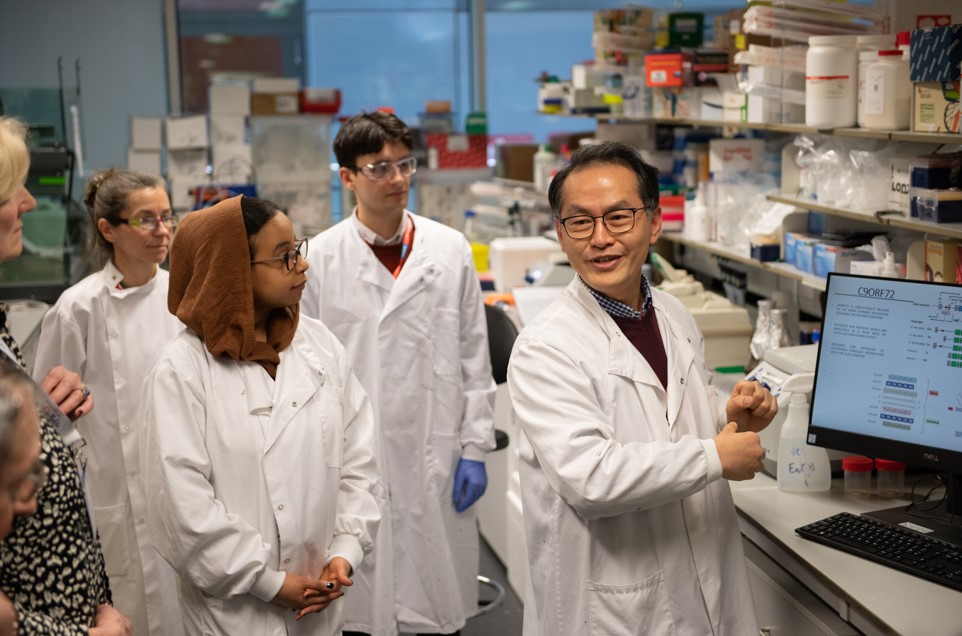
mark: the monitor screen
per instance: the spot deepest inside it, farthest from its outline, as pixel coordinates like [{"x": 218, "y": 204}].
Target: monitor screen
[{"x": 888, "y": 380}]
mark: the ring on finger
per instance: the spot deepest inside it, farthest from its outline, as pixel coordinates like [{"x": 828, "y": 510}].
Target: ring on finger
[{"x": 84, "y": 391}]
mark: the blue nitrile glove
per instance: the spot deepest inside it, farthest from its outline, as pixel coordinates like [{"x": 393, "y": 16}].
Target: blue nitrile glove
[{"x": 470, "y": 480}]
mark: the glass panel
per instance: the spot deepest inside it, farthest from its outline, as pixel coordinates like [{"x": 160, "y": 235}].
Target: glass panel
[
  {"x": 392, "y": 5},
  {"x": 521, "y": 44},
  {"x": 406, "y": 58}
]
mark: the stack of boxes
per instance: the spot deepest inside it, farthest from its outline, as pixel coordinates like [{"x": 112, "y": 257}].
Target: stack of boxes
[
  {"x": 255, "y": 135},
  {"x": 187, "y": 142},
  {"x": 935, "y": 66},
  {"x": 230, "y": 105}
]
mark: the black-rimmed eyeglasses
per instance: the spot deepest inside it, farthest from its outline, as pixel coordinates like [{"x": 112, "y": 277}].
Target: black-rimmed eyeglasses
[
  {"x": 581, "y": 226},
  {"x": 382, "y": 170},
  {"x": 290, "y": 258}
]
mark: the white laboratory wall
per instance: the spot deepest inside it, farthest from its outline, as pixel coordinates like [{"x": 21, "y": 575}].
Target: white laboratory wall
[{"x": 120, "y": 44}]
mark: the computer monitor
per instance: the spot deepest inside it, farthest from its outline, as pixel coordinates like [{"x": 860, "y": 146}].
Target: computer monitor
[{"x": 888, "y": 379}]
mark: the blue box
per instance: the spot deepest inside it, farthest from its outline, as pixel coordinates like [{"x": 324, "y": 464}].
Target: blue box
[
  {"x": 804, "y": 255},
  {"x": 935, "y": 54}
]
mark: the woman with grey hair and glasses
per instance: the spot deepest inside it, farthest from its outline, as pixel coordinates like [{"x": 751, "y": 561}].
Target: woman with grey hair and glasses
[
  {"x": 50, "y": 562},
  {"x": 111, "y": 326},
  {"x": 21, "y": 471}
]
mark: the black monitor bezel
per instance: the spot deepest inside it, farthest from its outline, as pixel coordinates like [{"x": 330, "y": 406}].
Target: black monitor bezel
[{"x": 916, "y": 455}]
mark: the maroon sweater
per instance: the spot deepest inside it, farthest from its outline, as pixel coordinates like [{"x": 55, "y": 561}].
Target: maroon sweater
[{"x": 645, "y": 335}]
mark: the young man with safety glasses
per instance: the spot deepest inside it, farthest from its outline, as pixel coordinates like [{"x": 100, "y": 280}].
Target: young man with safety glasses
[{"x": 401, "y": 293}]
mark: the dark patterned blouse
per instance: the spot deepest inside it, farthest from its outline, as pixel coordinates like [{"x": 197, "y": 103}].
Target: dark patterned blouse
[{"x": 51, "y": 566}]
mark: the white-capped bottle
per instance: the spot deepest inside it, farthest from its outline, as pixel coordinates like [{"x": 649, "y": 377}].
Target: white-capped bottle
[
  {"x": 831, "y": 81},
  {"x": 801, "y": 467},
  {"x": 889, "y": 270},
  {"x": 544, "y": 162}
]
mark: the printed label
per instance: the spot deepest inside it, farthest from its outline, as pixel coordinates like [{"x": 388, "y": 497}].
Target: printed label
[
  {"x": 827, "y": 86},
  {"x": 875, "y": 92}
]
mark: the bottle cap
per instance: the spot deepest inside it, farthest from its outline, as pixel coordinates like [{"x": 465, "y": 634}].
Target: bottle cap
[
  {"x": 469, "y": 213},
  {"x": 857, "y": 463},
  {"x": 889, "y": 464},
  {"x": 903, "y": 37}
]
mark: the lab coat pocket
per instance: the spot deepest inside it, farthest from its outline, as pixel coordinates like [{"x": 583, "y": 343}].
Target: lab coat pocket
[
  {"x": 330, "y": 402},
  {"x": 637, "y": 608},
  {"x": 112, "y": 526},
  {"x": 444, "y": 451},
  {"x": 446, "y": 340}
]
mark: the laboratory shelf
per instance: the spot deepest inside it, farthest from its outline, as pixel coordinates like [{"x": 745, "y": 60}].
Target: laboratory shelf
[
  {"x": 717, "y": 249},
  {"x": 953, "y": 230},
  {"x": 798, "y": 129}
]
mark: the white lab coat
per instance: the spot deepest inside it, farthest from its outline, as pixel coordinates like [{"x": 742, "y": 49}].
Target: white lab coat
[
  {"x": 250, "y": 478},
  {"x": 630, "y": 528},
  {"x": 110, "y": 337},
  {"x": 419, "y": 346}
]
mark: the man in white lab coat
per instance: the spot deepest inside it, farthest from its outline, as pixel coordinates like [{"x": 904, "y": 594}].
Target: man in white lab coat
[
  {"x": 625, "y": 456},
  {"x": 401, "y": 293}
]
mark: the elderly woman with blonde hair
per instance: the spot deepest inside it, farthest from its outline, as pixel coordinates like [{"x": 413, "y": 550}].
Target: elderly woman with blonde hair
[{"x": 50, "y": 563}]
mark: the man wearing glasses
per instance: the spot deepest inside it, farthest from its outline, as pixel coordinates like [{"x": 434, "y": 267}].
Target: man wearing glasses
[
  {"x": 626, "y": 455},
  {"x": 402, "y": 295}
]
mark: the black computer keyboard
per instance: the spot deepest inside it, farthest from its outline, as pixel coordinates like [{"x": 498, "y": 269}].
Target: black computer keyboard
[{"x": 890, "y": 545}]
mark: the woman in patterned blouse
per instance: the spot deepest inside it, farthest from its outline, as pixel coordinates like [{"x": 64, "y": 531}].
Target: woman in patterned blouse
[{"x": 50, "y": 563}]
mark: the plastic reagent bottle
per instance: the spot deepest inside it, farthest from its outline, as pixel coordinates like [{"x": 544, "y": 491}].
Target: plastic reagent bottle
[
  {"x": 801, "y": 467},
  {"x": 888, "y": 266}
]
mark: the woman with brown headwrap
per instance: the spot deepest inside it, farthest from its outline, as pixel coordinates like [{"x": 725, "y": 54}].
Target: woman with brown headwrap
[{"x": 259, "y": 450}]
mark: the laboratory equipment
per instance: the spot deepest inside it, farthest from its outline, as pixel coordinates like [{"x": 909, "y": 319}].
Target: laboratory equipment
[
  {"x": 858, "y": 475},
  {"x": 777, "y": 366},
  {"x": 726, "y": 326},
  {"x": 891, "y": 545},
  {"x": 891, "y": 477},
  {"x": 511, "y": 257},
  {"x": 801, "y": 467},
  {"x": 887, "y": 383}
]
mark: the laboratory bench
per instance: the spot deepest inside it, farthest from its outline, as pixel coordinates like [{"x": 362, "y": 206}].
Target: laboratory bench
[{"x": 802, "y": 587}]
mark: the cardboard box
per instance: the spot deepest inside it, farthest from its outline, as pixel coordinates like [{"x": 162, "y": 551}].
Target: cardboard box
[
  {"x": 905, "y": 15},
  {"x": 458, "y": 151},
  {"x": 936, "y": 107},
  {"x": 191, "y": 162},
  {"x": 143, "y": 161},
  {"x": 275, "y": 104},
  {"x": 227, "y": 129},
  {"x": 668, "y": 70},
  {"x": 515, "y": 161},
  {"x": 145, "y": 133},
  {"x": 232, "y": 162},
  {"x": 230, "y": 99},
  {"x": 744, "y": 155},
  {"x": 941, "y": 260},
  {"x": 935, "y": 54},
  {"x": 275, "y": 85},
  {"x": 187, "y": 132}
]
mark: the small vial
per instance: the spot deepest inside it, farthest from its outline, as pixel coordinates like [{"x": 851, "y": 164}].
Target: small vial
[
  {"x": 858, "y": 475},
  {"x": 891, "y": 477}
]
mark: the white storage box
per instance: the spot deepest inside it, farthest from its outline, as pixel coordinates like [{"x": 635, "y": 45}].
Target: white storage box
[
  {"x": 510, "y": 258},
  {"x": 187, "y": 132},
  {"x": 145, "y": 133}
]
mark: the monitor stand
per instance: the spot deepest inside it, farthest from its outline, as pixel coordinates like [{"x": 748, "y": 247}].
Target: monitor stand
[{"x": 937, "y": 523}]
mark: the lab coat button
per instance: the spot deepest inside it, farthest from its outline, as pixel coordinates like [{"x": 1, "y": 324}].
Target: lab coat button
[
  {"x": 113, "y": 333},
  {"x": 141, "y": 520},
  {"x": 294, "y": 404},
  {"x": 280, "y": 507},
  {"x": 682, "y": 380},
  {"x": 243, "y": 391},
  {"x": 133, "y": 473},
  {"x": 286, "y": 561}
]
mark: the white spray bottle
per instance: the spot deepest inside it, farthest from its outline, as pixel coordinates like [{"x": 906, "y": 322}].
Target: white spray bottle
[{"x": 801, "y": 467}]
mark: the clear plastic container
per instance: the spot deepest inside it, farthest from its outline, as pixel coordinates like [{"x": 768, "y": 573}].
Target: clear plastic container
[
  {"x": 891, "y": 478},
  {"x": 858, "y": 475}
]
